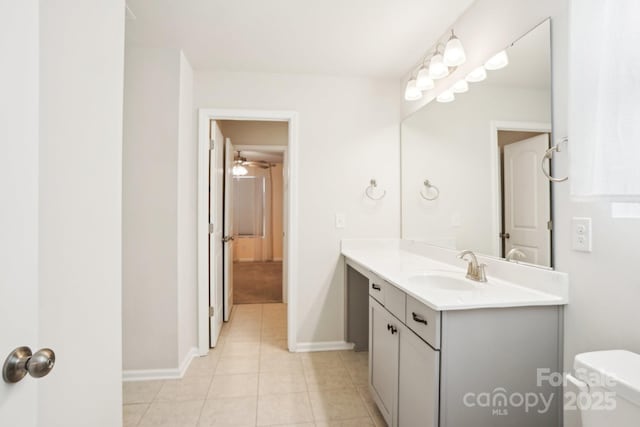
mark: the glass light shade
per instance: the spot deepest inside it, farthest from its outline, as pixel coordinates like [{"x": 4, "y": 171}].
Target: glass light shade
[
  {"x": 497, "y": 61},
  {"x": 423, "y": 81},
  {"x": 446, "y": 96},
  {"x": 437, "y": 68},
  {"x": 412, "y": 93},
  {"x": 461, "y": 86},
  {"x": 477, "y": 75},
  {"x": 454, "y": 53},
  {"x": 238, "y": 169}
]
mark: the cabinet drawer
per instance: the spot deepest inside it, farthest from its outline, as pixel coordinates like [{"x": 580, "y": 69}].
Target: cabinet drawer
[
  {"x": 424, "y": 321},
  {"x": 377, "y": 288},
  {"x": 395, "y": 301}
]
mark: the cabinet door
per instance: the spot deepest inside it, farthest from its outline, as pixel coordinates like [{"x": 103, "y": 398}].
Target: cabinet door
[
  {"x": 383, "y": 359},
  {"x": 419, "y": 382}
]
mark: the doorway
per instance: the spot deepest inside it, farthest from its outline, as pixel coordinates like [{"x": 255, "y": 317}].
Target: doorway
[
  {"x": 251, "y": 183},
  {"x": 257, "y": 209},
  {"x": 525, "y": 196}
]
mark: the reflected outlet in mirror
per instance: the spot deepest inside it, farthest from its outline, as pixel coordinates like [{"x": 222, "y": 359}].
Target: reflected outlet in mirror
[{"x": 483, "y": 151}]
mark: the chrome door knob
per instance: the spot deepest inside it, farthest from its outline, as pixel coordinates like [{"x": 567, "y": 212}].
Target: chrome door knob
[{"x": 22, "y": 362}]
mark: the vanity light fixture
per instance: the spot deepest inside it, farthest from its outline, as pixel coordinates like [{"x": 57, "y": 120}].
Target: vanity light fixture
[
  {"x": 497, "y": 61},
  {"x": 477, "y": 75},
  {"x": 454, "y": 52},
  {"x": 461, "y": 86},
  {"x": 423, "y": 81},
  {"x": 446, "y": 96},
  {"x": 437, "y": 67},
  {"x": 412, "y": 93}
]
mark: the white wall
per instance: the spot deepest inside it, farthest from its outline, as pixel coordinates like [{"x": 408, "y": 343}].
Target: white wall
[
  {"x": 81, "y": 85},
  {"x": 187, "y": 214},
  {"x": 450, "y": 144},
  {"x": 602, "y": 312},
  {"x": 348, "y": 134},
  {"x": 159, "y": 210}
]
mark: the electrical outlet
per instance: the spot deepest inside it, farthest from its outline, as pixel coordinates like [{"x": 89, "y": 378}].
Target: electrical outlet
[
  {"x": 581, "y": 234},
  {"x": 341, "y": 220}
]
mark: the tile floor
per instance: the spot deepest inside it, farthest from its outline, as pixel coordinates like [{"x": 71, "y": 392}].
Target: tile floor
[{"x": 250, "y": 379}]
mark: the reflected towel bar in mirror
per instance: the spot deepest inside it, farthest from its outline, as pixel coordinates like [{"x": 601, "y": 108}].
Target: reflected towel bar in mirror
[
  {"x": 371, "y": 189},
  {"x": 549, "y": 155},
  {"x": 429, "y": 192}
]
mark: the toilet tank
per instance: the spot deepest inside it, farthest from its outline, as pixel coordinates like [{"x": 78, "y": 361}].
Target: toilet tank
[{"x": 609, "y": 383}]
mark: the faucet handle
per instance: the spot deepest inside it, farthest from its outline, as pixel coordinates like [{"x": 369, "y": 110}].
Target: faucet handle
[{"x": 481, "y": 273}]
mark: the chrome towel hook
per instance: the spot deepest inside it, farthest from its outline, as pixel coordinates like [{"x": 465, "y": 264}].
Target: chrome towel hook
[
  {"x": 548, "y": 155},
  {"x": 432, "y": 192},
  {"x": 371, "y": 188}
]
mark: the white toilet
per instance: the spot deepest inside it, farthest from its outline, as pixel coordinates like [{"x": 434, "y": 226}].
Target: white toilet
[{"x": 609, "y": 384}]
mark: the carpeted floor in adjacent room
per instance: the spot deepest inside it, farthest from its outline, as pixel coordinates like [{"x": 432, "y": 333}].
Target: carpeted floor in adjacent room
[{"x": 257, "y": 282}]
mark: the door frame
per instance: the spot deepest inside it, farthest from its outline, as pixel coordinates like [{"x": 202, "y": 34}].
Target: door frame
[
  {"x": 205, "y": 115},
  {"x": 496, "y": 194}
]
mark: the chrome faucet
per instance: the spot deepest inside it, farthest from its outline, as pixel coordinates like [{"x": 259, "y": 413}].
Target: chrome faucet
[
  {"x": 475, "y": 271},
  {"x": 516, "y": 254}
]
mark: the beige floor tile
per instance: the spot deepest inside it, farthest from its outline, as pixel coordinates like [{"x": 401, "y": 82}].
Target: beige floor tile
[
  {"x": 244, "y": 335},
  {"x": 275, "y": 346},
  {"x": 233, "y": 411},
  {"x": 274, "y": 333},
  {"x": 327, "y": 379},
  {"x": 281, "y": 383},
  {"x": 132, "y": 414},
  {"x": 203, "y": 366},
  {"x": 331, "y": 405},
  {"x": 350, "y": 356},
  {"x": 284, "y": 409},
  {"x": 238, "y": 365},
  {"x": 140, "y": 391},
  {"x": 372, "y": 408},
  {"x": 322, "y": 359},
  {"x": 288, "y": 363},
  {"x": 188, "y": 388},
  {"x": 240, "y": 385},
  {"x": 358, "y": 422},
  {"x": 234, "y": 349},
  {"x": 172, "y": 414},
  {"x": 359, "y": 373}
]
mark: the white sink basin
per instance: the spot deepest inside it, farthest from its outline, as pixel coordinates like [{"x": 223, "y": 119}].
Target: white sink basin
[{"x": 447, "y": 282}]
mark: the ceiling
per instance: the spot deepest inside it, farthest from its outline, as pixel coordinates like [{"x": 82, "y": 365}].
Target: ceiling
[{"x": 372, "y": 38}]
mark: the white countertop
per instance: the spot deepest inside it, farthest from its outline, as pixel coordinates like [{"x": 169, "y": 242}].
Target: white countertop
[{"x": 509, "y": 284}]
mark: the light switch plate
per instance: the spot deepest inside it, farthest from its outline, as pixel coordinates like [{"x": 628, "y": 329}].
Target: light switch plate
[
  {"x": 341, "y": 220},
  {"x": 581, "y": 234}
]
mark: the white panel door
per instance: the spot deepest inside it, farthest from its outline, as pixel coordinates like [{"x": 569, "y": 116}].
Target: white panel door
[
  {"x": 228, "y": 229},
  {"x": 527, "y": 203},
  {"x": 19, "y": 195},
  {"x": 216, "y": 267}
]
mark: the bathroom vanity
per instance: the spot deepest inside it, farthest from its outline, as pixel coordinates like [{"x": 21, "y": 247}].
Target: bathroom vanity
[{"x": 450, "y": 352}]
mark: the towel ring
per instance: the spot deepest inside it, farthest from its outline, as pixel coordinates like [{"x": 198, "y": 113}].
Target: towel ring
[
  {"x": 548, "y": 155},
  {"x": 429, "y": 187},
  {"x": 369, "y": 191}
]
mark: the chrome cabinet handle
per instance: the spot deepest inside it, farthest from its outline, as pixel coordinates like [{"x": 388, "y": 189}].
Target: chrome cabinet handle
[
  {"x": 418, "y": 318},
  {"x": 21, "y": 362}
]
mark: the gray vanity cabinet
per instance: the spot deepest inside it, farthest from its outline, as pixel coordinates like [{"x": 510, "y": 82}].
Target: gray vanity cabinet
[
  {"x": 383, "y": 359},
  {"x": 418, "y": 382}
]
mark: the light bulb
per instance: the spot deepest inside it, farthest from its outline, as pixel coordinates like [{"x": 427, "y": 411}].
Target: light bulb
[
  {"x": 446, "y": 96},
  {"x": 437, "y": 68},
  {"x": 454, "y": 52},
  {"x": 412, "y": 93},
  {"x": 477, "y": 75},
  {"x": 238, "y": 169},
  {"x": 461, "y": 86},
  {"x": 423, "y": 81},
  {"x": 497, "y": 61}
]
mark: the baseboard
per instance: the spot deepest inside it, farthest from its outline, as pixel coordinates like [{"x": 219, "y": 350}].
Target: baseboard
[
  {"x": 277, "y": 259},
  {"x": 304, "y": 347},
  {"x": 161, "y": 374}
]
